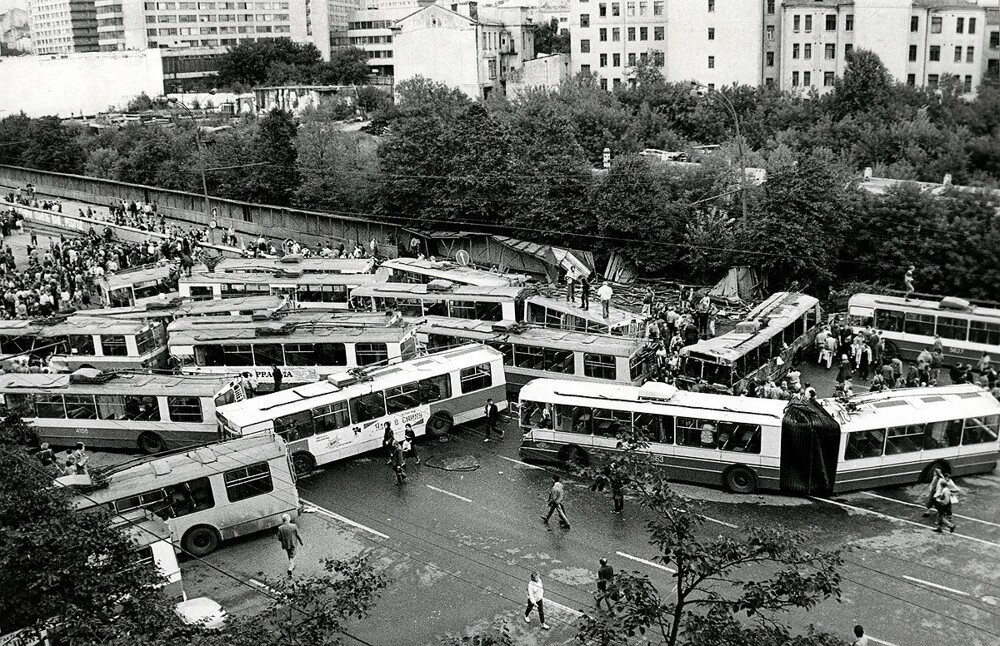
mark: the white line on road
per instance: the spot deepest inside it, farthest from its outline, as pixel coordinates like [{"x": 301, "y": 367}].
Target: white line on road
[
  {"x": 572, "y": 611},
  {"x": 346, "y": 521},
  {"x": 934, "y": 585},
  {"x": 721, "y": 522},
  {"x": 530, "y": 466},
  {"x": 645, "y": 562},
  {"x": 913, "y": 504},
  {"x": 899, "y": 520},
  {"x": 880, "y": 641},
  {"x": 448, "y": 493}
]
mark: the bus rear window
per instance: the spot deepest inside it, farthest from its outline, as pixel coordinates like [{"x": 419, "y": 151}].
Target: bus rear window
[
  {"x": 82, "y": 344},
  {"x": 113, "y": 345},
  {"x": 184, "y": 409},
  {"x": 145, "y": 342},
  {"x": 599, "y": 366}
]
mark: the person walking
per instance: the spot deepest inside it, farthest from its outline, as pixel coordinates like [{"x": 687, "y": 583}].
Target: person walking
[
  {"x": 944, "y": 497},
  {"x": 585, "y": 293},
  {"x": 399, "y": 462},
  {"x": 556, "y": 496},
  {"x": 276, "y": 373},
  {"x": 410, "y": 436},
  {"x": 604, "y": 292},
  {"x": 492, "y": 418},
  {"x": 929, "y": 503},
  {"x": 288, "y": 535},
  {"x": 617, "y": 493},
  {"x": 388, "y": 439},
  {"x": 605, "y": 585},
  {"x": 536, "y": 596},
  {"x": 860, "y": 639}
]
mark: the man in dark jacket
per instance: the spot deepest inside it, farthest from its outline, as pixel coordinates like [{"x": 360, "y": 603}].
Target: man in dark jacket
[{"x": 492, "y": 417}]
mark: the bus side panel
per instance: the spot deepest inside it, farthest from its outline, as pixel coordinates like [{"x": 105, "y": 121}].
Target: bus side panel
[
  {"x": 472, "y": 406},
  {"x": 909, "y": 472},
  {"x": 121, "y": 434}
]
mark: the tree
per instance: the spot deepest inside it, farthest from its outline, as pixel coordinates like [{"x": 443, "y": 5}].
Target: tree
[
  {"x": 550, "y": 39},
  {"x": 247, "y": 64},
  {"x": 339, "y": 169},
  {"x": 48, "y": 144},
  {"x": 347, "y": 66},
  {"x": 866, "y": 87},
  {"x": 761, "y": 573}
]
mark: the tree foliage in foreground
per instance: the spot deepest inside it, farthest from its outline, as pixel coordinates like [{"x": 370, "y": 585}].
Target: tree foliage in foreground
[{"x": 727, "y": 589}]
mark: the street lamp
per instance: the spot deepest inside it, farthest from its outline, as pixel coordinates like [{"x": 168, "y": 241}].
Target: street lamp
[
  {"x": 201, "y": 156},
  {"x": 698, "y": 90}
]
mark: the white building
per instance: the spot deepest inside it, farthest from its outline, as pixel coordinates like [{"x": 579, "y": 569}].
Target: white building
[
  {"x": 545, "y": 71},
  {"x": 63, "y": 26}
]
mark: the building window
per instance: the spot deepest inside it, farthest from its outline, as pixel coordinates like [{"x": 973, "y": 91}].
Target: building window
[
  {"x": 768, "y": 82},
  {"x": 585, "y": 46},
  {"x": 616, "y": 60},
  {"x": 602, "y": 10},
  {"x": 970, "y": 54},
  {"x": 935, "y": 53},
  {"x": 711, "y": 62},
  {"x": 911, "y": 79},
  {"x": 584, "y": 20},
  {"x": 995, "y": 40},
  {"x": 770, "y": 32},
  {"x": 914, "y": 23},
  {"x": 711, "y": 6},
  {"x": 827, "y": 79},
  {"x": 631, "y": 33},
  {"x": 711, "y": 33},
  {"x": 972, "y": 25},
  {"x": 643, "y": 33},
  {"x": 631, "y": 59},
  {"x": 631, "y": 8},
  {"x": 604, "y": 60},
  {"x": 769, "y": 58},
  {"x": 807, "y": 51},
  {"x": 616, "y": 34},
  {"x": 807, "y": 78},
  {"x": 796, "y": 22},
  {"x": 604, "y": 84},
  {"x": 657, "y": 33},
  {"x": 602, "y": 34},
  {"x": 849, "y": 22},
  {"x": 831, "y": 22},
  {"x": 585, "y": 69},
  {"x": 795, "y": 79},
  {"x": 616, "y": 83},
  {"x": 959, "y": 25},
  {"x": 913, "y": 53},
  {"x": 936, "y": 25},
  {"x": 847, "y": 50},
  {"x": 967, "y": 84},
  {"x": 770, "y": 7},
  {"x": 643, "y": 6},
  {"x": 809, "y": 22},
  {"x": 658, "y": 59},
  {"x": 795, "y": 50},
  {"x": 932, "y": 81},
  {"x": 658, "y": 8},
  {"x": 958, "y": 54},
  {"x": 830, "y": 51},
  {"x": 616, "y": 9}
]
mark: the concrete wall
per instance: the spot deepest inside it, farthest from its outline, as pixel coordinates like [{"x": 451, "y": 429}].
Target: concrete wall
[
  {"x": 77, "y": 83},
  {"x": 545, "y": 72},
  {"x": 881, "y": 26},
  {"x": 452, "y": 39}
]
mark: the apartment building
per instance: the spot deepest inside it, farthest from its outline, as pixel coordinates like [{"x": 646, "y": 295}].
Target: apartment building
[
  {"x": 992, "y": 50},
  {"x": 63, "y": 26},
  {"x": 371, "y": 30},
  {"x": 919, "y": 41},
  {"x": 141, "y": 24},
  {"x": 340, "y": 13}
]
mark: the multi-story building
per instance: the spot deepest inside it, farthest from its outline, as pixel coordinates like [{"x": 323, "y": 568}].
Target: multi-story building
[
  {"x": 339, "y": 15},
  {"x": 992, "y": 48},
  {"x": 371, "y": 30},
  {"x": 63, "y": 26},
  {"x": 919, "y": 41},
  {"x": 140, "y": 24}
]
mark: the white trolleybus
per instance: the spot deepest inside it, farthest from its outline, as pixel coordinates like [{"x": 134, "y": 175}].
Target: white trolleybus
[
  {"x": 207, "y": 494},
  {"x": 745, "y": 444},
  {"x": 774, "y": 336},
  {"x": 179, "y": 308},
  {"x": 415, "y": 270},
  {"x": 139, "y": 285},
  {"x": 118, "y": 410},
  {"x": 69, "y": 343},
  {"x": 317, "y": 290},
  {"x": 306, "y": 345},
  {"x": 295, "y": 265},
  {"x": 967, "y": 331},
  {"x": 533, "y": 352},
  {"x": 346, "y": 415},
  {"x": 444, "y": 299}
]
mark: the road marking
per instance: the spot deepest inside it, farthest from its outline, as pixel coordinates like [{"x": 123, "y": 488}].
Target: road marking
[
  {"x": 572, "y": 611},
  {"x": 913, "y": 504},
  {"x": 645, "y": 562},
  {"x": 346, "y": 521},
  {"x": 899, "y": 520},
  {"x": 880, "y": 641},
  {"x": 448, "y": 493},
  {"x": 263, "y": 586},
  {"x": 934, "y": 585},
  {"x": 530, "y": 466},
  {"x": 721, "y": 522}
]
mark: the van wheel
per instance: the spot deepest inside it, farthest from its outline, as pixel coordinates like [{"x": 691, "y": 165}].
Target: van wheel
[
  {"x": 928, "y": 473},
  {"x": 200, "y": 541},
  {"x": 303, "y": 463},
  {"x": 440, "y": 424},
  {"x": 577, "y": 457},
  {"x": 150, "y": 443},
  {"x": 740, "y": 479}
]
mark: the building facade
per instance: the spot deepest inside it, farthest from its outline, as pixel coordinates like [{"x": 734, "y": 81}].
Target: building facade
[{"x": 63, "y": 26}]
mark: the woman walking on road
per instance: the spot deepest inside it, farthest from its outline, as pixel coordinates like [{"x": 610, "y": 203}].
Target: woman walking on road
[
  {"x": 931, "y": 491},
  {"x": 536, "y": 595},
  {"x": 944, "y": 498}
]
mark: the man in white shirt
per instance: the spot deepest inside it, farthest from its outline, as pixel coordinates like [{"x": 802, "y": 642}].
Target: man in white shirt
[{"x": 604, "y": 292}]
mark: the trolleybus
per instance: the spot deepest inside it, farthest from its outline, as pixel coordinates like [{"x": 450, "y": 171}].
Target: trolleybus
[
  {"x": 811, "y": 447},
  {"x": 206, "y": 495},
  {"x": 295, "y": 265},
  {"x": 418, "y": 270},
  {"x": 179, "y": 308},
  {"x": 774, "y": 336},
  {"x": 138, "y": 285},
  {"x": 967, "y": 331},
  {"x": 346, "y": 415},
  {"x": 557, "y": 313},
  {"x": 120, "y": 410},
  {"x": 305, "y": 290},
  {"x": 533, "y": 352},
  {"x": 444, "y": 299}
]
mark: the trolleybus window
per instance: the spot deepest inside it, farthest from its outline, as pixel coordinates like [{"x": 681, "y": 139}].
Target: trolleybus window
[
  {"x": 655, "y": 428},
  {"x": 476, "y": 378},
  {"x": 50, "y": 406},
  {"x": 81, "y": 344},
  {"x": 919, "y": 324},
  {"x": 80, "y": 407},
  {"x": 184, "y": 409},
  {"x": 113, "y": 345},
  {"x": 295, "y": 426},
  {"x": 330, "y": 417},
  {"x": 173, "y": 501},
  {"x": 905, "y": 439},
  {"x": 146, "y": 341},
  {"x": 247, "y": 482},
  {"x": 268, "y": 354},
  {"x": 951, "y": 328},
  {"x": 400, "y": 398},
  {"x": 371, "y": 353},
  {"x": 983, "y": 332},
  {"x": 434, "y": 389},
  {"x": 610, "y": 423},
  {"x": 599, "y": 366},
  {"x": 981, "y": 429},
  {"x": 367, "y": 407},
  {"x": 128, "y": 407},
  {"x": 864, "y": 444}
]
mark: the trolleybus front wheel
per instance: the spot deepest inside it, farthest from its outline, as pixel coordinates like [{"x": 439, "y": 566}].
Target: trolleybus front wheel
[
  {"x": 151, "y": 443},
  {"x": 439, "y": 424},
  {"x": 200, "y": 540},
  {"x": 741, "y": 479},
  {"x": 303, "y": 463},
  {"x": 576, "y": 457}
]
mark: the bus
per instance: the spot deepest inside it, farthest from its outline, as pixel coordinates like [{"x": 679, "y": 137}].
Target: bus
[
  {"x": 118, "y": 410},
  {"x": 744, "y": 444},
  {"x": 295, "y": 265},
  {"x": 456, "y": 301},
  {"x": 138, "y": 285},
  {"x": 151, "y": 536},
  {"x": 418, "y": 270},
  {"x": 305, "y": 344},
  {"x": 533, "y": 352},
  {"x": 304, "y": 290},
  {"x": 179, "y": 308},
  {"x": 69, "y": 343},
  {"x": 555, "y": 312},
  {"x": 774, "y": 336},
  {"x": 908, "y": 327},
  {"x": 346, "y": 415},
  {"x": 206, "y": 495}
]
